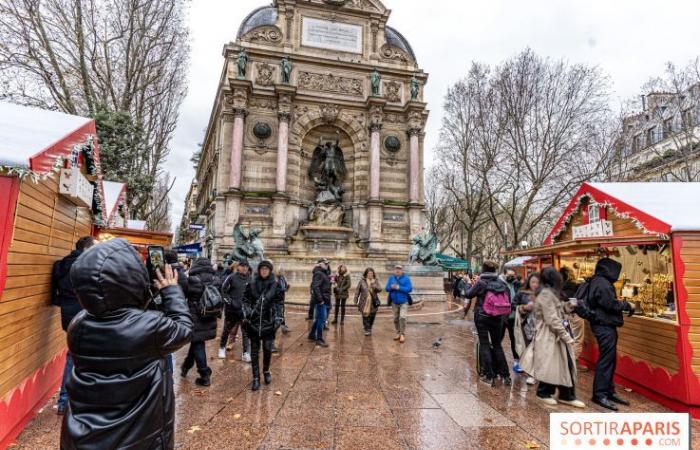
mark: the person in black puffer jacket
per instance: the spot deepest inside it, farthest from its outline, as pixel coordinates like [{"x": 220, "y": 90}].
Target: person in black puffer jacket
[
  {"x": 602, "y": 299},
  {"x": 321, "y": 299},
  {"x": 263, "y": 309},
  {"x": 233, "y": 291},
  {"x": 63, "y": 296},
  {"x": 490, "y": 328},
  {"x": 201, "y": 275},
  {"x": 120, "y": 393}
]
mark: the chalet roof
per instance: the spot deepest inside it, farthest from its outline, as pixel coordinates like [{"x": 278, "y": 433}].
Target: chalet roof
[
  {"x": 112, "y": 190},
  {"x": 26, "y": 133}
]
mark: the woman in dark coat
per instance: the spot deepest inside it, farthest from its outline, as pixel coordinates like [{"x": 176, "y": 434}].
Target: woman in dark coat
[
  {"x": 120, "y": 392},
  {"x": 263, "y": 307},
  {"x": 201, "y": 275},
  {"x": 342, "y": 292}
]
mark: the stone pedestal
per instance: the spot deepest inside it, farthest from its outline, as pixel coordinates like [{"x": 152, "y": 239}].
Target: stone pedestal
[{"x": 277, "y": 244}]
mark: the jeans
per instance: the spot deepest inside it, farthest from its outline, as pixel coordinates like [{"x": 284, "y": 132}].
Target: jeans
[
  {"x": 319, "y": 322},
  {"x": 67, "y": 369},
  {"x": 169, "y": 362},
  {"x": 490, "y": 330},
  {"x": 231, "y": 325},
  {"x": 606, "y": 337},
  {"x": 368, "y": 321},
  {"x": 255, "y": 354},
  {"x": 400, "y": 315},
  {"x": 197, "y": 354},
  {"x": 510, "y": 327},
  {"x": 340, "y": 305}
]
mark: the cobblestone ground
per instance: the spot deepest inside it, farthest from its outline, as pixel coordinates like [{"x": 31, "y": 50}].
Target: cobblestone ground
[{"x": 361, "y": 393}]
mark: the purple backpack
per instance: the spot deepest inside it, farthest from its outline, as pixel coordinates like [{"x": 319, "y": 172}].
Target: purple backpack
[{"x": 497, "y": 303}]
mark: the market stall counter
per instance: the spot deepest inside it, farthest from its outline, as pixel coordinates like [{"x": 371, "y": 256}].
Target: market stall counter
[{"x": 654, "y": 232}]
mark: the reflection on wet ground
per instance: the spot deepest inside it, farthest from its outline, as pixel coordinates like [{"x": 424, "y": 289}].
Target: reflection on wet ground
[{"x": 361, "y": 393}]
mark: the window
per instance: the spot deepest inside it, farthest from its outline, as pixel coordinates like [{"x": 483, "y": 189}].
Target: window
[
  {"x": 689, "y": 117},
  {"x": 668, "y": 127},
  {"x": 593, "y": 213},
  {"x": 637, "y": 142}
]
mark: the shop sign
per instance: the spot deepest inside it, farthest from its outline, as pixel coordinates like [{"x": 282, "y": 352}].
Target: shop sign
[
  {"x": 76, "y": 187},
  {"x": 601, "y": 228},
  {"x": 196, "y": 226}
]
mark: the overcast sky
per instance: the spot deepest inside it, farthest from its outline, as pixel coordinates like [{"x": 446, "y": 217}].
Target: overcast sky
[{"x": 629, "y": 39}]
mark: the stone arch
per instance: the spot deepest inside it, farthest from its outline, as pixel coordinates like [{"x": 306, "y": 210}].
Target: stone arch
[{"x": 313, "y": 119}]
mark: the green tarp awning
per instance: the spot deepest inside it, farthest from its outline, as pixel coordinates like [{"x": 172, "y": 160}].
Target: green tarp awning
[{"x": 451, "y": 263}]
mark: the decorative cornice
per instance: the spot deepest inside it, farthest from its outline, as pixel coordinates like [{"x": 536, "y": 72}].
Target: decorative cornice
[
  {"x": 414, "y": 132},
  {"x": 284, "y": 116},
  {"x": 375, "y": 127}
]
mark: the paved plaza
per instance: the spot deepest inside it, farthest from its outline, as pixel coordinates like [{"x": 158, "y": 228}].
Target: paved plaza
[{"x": 360, "y": 393}]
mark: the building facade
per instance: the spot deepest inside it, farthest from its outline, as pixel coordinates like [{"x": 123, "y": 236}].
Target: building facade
[
  {"x": 661, "y": 143},
  {"x": 302, "y": 74}
]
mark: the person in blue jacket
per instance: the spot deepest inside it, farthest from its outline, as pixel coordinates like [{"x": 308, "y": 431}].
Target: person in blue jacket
[{"x": 399, "y": 287}]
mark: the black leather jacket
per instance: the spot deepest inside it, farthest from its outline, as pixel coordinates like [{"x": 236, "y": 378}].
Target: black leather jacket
[
  {"x": 201, "y": 275},
  {"x": 120, "y": 393},
  {"x": 320, "y": 287},
  {"x": 62, "y": 289}
]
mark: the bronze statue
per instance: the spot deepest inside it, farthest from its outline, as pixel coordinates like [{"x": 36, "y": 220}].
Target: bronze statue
[
  {"x": 415, "y": 88},
  {"x": 424, "y": 250},
  {"x": 286, "y": 70},
  {"x": 249, "y": 247},
  {"x": 242, "y": 63},
  {"x": 376, "y": 80},
  {"x": 327, "y": 170}
]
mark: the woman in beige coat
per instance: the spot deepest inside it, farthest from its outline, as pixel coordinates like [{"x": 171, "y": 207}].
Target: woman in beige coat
[
  {"x": 549, "y": 357},
  {"x": 367, "y": 299}
]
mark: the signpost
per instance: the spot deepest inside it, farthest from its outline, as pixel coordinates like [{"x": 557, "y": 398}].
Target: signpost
[{"x": 196, "y": 227}]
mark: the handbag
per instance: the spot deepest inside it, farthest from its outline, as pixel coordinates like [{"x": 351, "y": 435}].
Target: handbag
[{"x": 410, "y": 299}]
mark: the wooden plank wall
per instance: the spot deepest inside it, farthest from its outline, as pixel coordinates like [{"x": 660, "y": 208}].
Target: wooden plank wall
[
  {"x": 621, "y": 227},
  {"x": 690, "y": 253},
  {"x": 46, "y": 229}
]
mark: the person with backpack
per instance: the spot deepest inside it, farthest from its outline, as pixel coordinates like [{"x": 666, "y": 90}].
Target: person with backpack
[
  {"x": 513, "y": 287},
  {"x": 233, "y": 291},
  {"x": 203, "y": 288},
  {"x": 549, "y": 357},
  {"x": 600, "y": 298},
  {"x": 263, "y": 306},
  {"x": 524, "y": 329},
  {"x": 399, "y": 287},
  {"x": 63, "y": 296},
  {"x": 490, "y": 313}
]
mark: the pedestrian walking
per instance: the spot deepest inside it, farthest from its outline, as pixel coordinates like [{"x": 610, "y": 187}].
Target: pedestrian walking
[
  {"x": 263, "y": 317},
  {"x": 490, "y": 313},
  {"x": 399, "y": 287},
  {"x": 602, "y": 299},
  {"x": 321, "y": 299},
  {"x": 201, "y": 275},
  {"x": 549, "y": 357},
  {"x": 120, "y": 392},
  {"x": 577, "y": 323},
  {"x": 524, "y": 319},
  {"x": 342, "y": 292},
  {"x": 284, "y": 284},
  {"x": 233, "y": 290},
  {"x": 513, "y": 287},
  {"x": 367, "y": 299},
  {"x": 63, "y": 296}
]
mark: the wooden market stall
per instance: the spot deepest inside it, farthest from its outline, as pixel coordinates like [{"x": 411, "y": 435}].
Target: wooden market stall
[
  {"x": 49, "y": 168},
  {"x": 653, "y": 229}
]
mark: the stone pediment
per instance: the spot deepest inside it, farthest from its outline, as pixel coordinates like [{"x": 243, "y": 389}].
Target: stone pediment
[
  {"x": 267, "y": 34},
  {"x": 394, "y": 53}
]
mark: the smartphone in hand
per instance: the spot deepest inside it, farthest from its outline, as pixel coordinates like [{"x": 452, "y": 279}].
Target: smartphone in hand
[{"x": 155, "y": 260}]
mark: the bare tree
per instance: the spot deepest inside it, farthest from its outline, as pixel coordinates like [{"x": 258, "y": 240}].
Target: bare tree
[
  {"x": 84, "y": 56},
  {"x": 554, "y": 118},
  {"x": 159, "y": 206}
]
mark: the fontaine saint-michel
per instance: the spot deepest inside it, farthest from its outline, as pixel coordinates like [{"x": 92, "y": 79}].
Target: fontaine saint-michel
[{"x": 315, "y": 139}]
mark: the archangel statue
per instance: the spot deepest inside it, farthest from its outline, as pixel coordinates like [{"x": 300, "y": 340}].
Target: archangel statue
[
  {"x": 424, "y": 249},
  {"x": 249, "y": 247},
  {"x": 327, "y": 170}
]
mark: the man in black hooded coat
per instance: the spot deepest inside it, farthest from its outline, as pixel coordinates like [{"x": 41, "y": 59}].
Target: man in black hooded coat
[
  {"x": 120, "y": 394},
  {"x": 201, "y": 275},
  {"x": 602, "y": 299},
  {"x": 263, "y": 308}
]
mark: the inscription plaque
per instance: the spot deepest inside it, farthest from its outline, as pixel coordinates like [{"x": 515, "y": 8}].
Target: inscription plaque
[{"x": 329, "y": 35}]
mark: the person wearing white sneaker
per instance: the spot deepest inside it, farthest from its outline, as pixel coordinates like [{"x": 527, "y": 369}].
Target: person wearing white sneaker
[
  {"x": 245, "y": 357},
  {"x": 548, "y": 358}
]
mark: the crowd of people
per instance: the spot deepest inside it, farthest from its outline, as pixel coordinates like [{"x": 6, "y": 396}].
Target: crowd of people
[
  {"x": 544, "y": 317},
  {"x": 123, "y": 325}
]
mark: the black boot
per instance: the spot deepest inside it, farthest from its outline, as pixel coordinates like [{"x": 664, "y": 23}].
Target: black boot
[
  {"x": 268, "y": 377},
  {"x": 204, "y": 377},
  {"x": 256, "y": 379},
  {"x": 605, "y": 403},
  {"x": 185, "y": 369},
  {"x": 618, "y": 400}
]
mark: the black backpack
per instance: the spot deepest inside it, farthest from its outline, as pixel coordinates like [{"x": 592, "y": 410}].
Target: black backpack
[
  {"x": 584, "y": 309},
  {"x": 212, "y": 303}
]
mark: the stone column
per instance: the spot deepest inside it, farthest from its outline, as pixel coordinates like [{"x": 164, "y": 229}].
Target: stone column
[
  {"x": 239, "y": 115},
  {"x": 374, "y": 160},
  {"x": 282, "y": 151},
  {"x": 414, "y": 175}
]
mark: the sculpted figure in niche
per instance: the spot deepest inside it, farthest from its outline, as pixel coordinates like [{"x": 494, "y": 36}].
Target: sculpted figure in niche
[
  {"x": 327, "y": 170},
  {"x": 286, "y": 66},
  {"x": 415, "y": 88},
  {"x": 242, "y": 64},
  {"x": 376, "y": 80}
]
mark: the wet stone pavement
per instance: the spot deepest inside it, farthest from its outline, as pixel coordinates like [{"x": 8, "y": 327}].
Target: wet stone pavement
[{"x": 361, "y": 393}]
